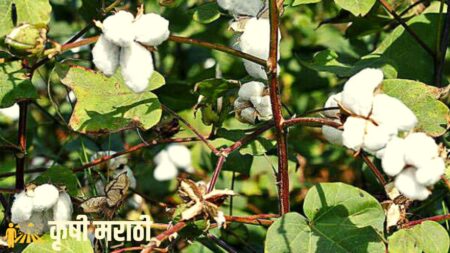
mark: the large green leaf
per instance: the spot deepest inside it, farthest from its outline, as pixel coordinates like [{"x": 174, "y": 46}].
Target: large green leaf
[
  {"x": 69, "y": 245},
  {"x": 340, "y": 218},
  {"x": 106, "y": 105},
  {"x": 28, "y": 11},
  {"x": 14, "y": 84},
  {"x": 61, "y": 176},
  {"x": 428, "y": 237},
  {"x": 433, "y": 115},
  {"x": 356, "y": 7}
]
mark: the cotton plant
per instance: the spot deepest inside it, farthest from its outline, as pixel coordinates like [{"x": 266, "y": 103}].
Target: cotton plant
[
  {"x": 122, "y": 42},
  {"x": 34, "y": 207},
  {"x": 171, "y": 160},
  {"x": 253, "y": 103},
  {"x": 11, "y": 112},
  {"x": 239, "y": 8}
]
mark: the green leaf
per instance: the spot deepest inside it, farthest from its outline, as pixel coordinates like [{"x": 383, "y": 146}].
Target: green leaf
[
  {"x": 14, "y": 84},
  {"x": 433, "y": 115},
  {"x": 212, "y": 89},
  {"x": 28, "y": 11},
  {"x": 427, "y": 237},
  {"x": 340, "y": 218},
  {"x": 206, "y": 13},
  {"x": 60, "y": 176},
  {"x": 298, "y": 2},
  {"x": 259, "y": 146},
  {"x": 105, "y": 104},
  {"x": 69, "y": 245},
  {"x": 327, "y": 60},
  {"x": 356, "y": 7}
]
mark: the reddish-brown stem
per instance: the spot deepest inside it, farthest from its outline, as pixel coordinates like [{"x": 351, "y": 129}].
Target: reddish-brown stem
[
  {"x": 9, "y": 190},
  {"x": 281, "y": 135},
  {"x": 391, "y": 10},
  {"x": 164, "y": 236},
  {"x": 216, "y": 173},
  {"x": 320, "y": 121},
  {"x": 433, "y": 218},
  {"x": 445, "y": 180},
  {"x": 22, "y": 143},
  {"x": 79, "y": 43},
  {"x": 128, "y": 249},
  {"x": 373, "y": 168},
  {"x": 262, "y": 219}
]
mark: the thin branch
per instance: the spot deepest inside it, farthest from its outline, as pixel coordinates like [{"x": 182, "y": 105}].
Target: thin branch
[
  {"x": 374, "y": 168},
  {"x": 22, "y": 143},
  {"x": 444, "y": 41},
  {"x": 221, "y": 243},
  {"x": 262, "y": 219},
  {"x": 320, "y": 121},
  {"x": 281, "y": 135},
  {"x": 216, "y": 173},
  {"x": 433, "y": 218},
  {"x": 163, "y": 236}
]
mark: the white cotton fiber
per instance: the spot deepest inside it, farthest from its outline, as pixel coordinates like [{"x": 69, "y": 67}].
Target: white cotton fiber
[
  {"x": 137, "y": 67},
  {"x": 255, "y": 70},
  {"x": 393, "y": 160},
  {"x": 106, "y": 56},
  {"x": 419, "y": 149},
  {"x": 21, "y": 208},
  {"x": 388, "y": 110},
  {"x": 180, "y": 155},
  {"x": 240, "y": 104},
  {"x": 333, "y": 101},
  {"x": 119, "y": 29},
  {"x": 151, "y": 29},
  {"x": 62, "y": 210},
  {"x": 165, "y": 169},
  {"x": 354, "y": 131},
  {"x": 406, "y": 183},
  {"x": 45, "y": 196},
  {"x": 377, "y": 137},
  {"x": 263, "y": 107},
  {"x": 332, "y": 134},
  {"x": 431, "y": 172},
  {"x": 251, "y": 89},
  {"x": 12, "y": 112},
  {"x": 248, "y": 115},
  {"x": 240, "y": 7},
  {"x": 357, "y": 95}
]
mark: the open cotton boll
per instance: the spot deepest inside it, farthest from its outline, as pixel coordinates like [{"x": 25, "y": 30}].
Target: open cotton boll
[
  {"x": 240, "y": 104},
  {"x": 22, "y": 207},
  {"x": 151, "y": 29},
  {"x": 12, "y": 112},
  {"x": 332, "y": 134},
  {"x": 353, "y": 135},
  {"x": 137, "y": 67},
  {"x": 431, "y": 172},
  {"x": 377, "y": 137},
  {"x": 393, "y": 160},
  {"x": 333, "y": 101},
  {"x": 255, "y": 70},
  {"x": 263, "y": 107},
  {"x": 251, "y": 89},
  {"x": 165, "y": 169},
  {"x": 406, "y": 183},
  {"x": 357, "y": 95},
  {"x": 419, "y": 149},
  {"x": 62, "y": 210},
  {"x": 118, "y": 28},
  {"x": 105, "y": 56},
  {"x": 45, "y": 196},
  {"x": 388, "y": 110},
  {"x": 248, "y": 115},
  {"x": 180, "y": 155},
  {"x": 239, "y": 7}
]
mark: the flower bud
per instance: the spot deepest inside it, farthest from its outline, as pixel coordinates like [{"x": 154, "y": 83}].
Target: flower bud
[{"x": 27, "y": 39}]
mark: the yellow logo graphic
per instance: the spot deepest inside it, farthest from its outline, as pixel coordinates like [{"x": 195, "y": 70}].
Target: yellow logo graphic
[{"x": 13, "y": 236}]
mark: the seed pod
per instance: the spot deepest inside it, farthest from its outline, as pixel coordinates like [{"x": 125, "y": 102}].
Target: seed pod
[{"x": 27, "y": 39}]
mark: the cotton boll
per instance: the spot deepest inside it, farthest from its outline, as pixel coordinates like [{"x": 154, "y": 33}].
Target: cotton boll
[
  {"x": 151, "y": 29},
  {"x": 406, "y": 183},
  {"x": 165, "y": 169},
  {"x": 105, "y": 56},
  {"x": 388, "y": 110},
  {"x": 377, "y": 137},
  {"x": 37, "y": 224},
  {"x": 332, "y": 134},
  {"x": 240, "y": 104},
  {"x": 137, "y": 67},
  {"x": 62, "y": 210},
  {"x": 431, "y": 172},
  {"x": 45, "y": 196},
  {"x": 357, "y": 95},
  {"x": 354, "y": 131},
  {"x": 220, "y": 219},
  {"x": 71, "y": 98},
  {"x": 263, "y": 107},
  {"x": 251, "y": 89},
  {"x": 333, "y": 101},
  {"x": 419, "y": 149},
  {"x": 255, "y": 70},
  {"x": 12, "y": 112},
  {"x": 119, "y": 29},
  {"x": 21, "y": 208},
  {"x": 393, "y": 159},
  {"x": 248, "y": 115},
  {"x": 180, "y": 155}
]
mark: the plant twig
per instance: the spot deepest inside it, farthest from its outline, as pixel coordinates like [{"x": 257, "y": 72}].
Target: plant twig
[
  {"x": 304, "y": 120},
  {"x": 221, "y": 243},
  {"x": 374, "y": 168},
  {"x": 163, "y": 236},
  {"x": 433, "y": 218},
  {"x": 261, "y": 219},
  {"x": 22, "y": 143}
]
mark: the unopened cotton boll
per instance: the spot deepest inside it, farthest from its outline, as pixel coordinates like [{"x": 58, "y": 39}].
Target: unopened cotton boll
[
  {"x": 137, "y": 67},
  {"x": 180, "y": 156},
  {"x": 357, "y": 95},
  {"x": 151, "y": 29},
  {"x": 62, "y": 210},
  {"x": 239, "y": 7},
  {"x": 333, "y": 101},
  {"x": 45, "y": 196},
  {"x": 430, "y": 172},
  {"x": 353, "y": 135},
  {"x": 263, "y": 107},
  {"x": 119, "y": 29},
  {"x": 165, "y": 169},
  {"x": 332, "y": 134},
  {"x": 388, "y": 110},
  {"x": 406, "y": 183},
  {"x": 419, "y": 149},
  {"x": 105, "y": 56},
  {"x": 248, "y": 115},
  {"x": 377, "y": 137},
  {"x": 22, "y": 207},
  {"x": 393, "y": 160},
  {"x": 251, "y": 89}
]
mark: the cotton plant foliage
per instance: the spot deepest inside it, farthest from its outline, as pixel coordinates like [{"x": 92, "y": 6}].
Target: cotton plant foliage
[
  {"x": 377, "y": 124},
  {"x": 121, "y": 44},
  {"x": 243, "y": 8},
  {"x": 171, "y": 160},
  {"x": 253, "y": 103},
  {"x": 38, "y": 205}
]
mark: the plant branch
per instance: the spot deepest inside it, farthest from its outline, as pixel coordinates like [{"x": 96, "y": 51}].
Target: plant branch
[
  {"x": 433, "y": 218},
  {"x": 444, "y": 41},
  {"x": 22, "y": 143},
  {"x": 374, "y": 168},
  {"x": 221, "y": 243},
  {"x": 163, "y": 236},
  {"x": 304, "y": 120},
  {"x": 262, "y": 219},
  {"x": 281, "y": 135}
]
